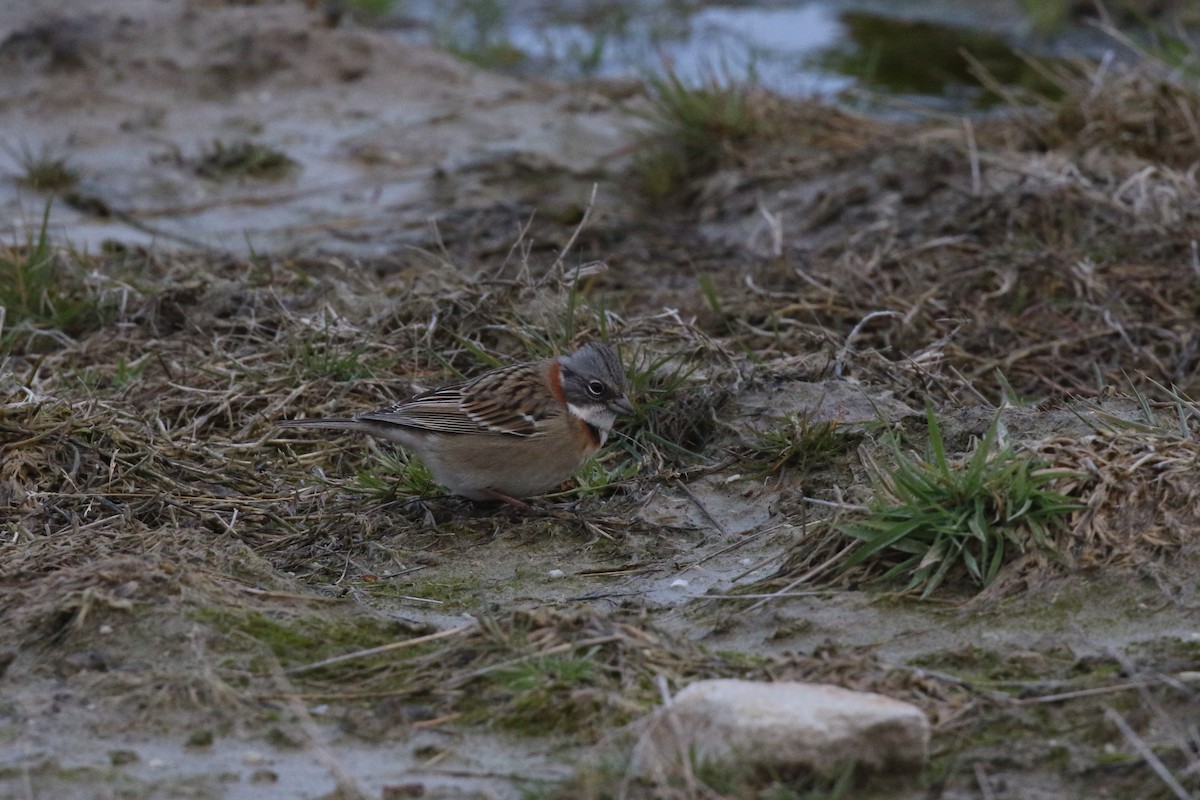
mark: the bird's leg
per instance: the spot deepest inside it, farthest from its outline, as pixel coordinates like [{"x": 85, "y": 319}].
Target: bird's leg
[{"x": 518, "y": 505}]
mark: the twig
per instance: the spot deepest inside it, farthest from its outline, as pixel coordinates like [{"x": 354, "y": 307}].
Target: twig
[
  {"x": 565, "y": 647},
  {"x": 985, "y": 783},
  {"x": 840, "y": 506},
  {"x": 442, "y": 720},
  {"x": 703, "y": 510},
  {"x": 587, "y": 215},
  {"x": 775, "y": 227},
  {"x": 741, "y": 543},
  {"x": 812, "y": 573},
  {"x": 274, "y": 595},
  {"x": 1147, "y": 754},
  {"x": 522, "y": 232},
  {"x": 158, "y": 232},
  {"x": 347, "y": 786},
  {"x": 973, "y": 155},
  {"x": 647, "y": 742},
  {"x": 1097, "y": 690},
  {"x": 839, "y": 362},
  {"x": 817, "y": 593},
  {"x": 385, "y": 648}
]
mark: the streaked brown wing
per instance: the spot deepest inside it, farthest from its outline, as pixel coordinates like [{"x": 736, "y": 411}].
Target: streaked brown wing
[
  {"x": 514, "y": 400},
  {"x": 509, "y": 401},
  {"x": 437, "y": 411}
]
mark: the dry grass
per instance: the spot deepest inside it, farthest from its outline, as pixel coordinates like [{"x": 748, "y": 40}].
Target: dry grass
[
  {"x": 142, "y": 475},
  {"x": 165, "y": 420},
  {"x": 1124, "y": 521},
  {"x": 1144, "y": 107},
  {"x": 967, "y": 263},
  {"x": 1127, "y": 520},
  {"x": 579, "y": 673}
]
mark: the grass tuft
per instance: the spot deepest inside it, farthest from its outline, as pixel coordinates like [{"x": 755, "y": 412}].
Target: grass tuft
[
  {"x": 395, "y": 474},
  {"x": 43, "y": 169},
  {"x": 552, "y": 691},
  {"x": 481, "y": 36},
  {"x": 35, "y": 293},
  {"x": 675, "y": 414},
  {"x": 603, "y": 475},
  {"x": 697, "y": 130},
  {"x": 799, "y": 444},
  {"x": 244, "y": 159},
  {"x": 28, "y": 277},
  {"x": 940, "y": 516},
  {"x": 319, "y": 355}
]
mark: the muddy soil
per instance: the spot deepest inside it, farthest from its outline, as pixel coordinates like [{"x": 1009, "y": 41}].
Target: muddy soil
[{"x": 176, "y": 570}]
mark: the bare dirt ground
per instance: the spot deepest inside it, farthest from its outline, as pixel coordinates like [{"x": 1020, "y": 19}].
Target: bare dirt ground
[{"x": 191, "y": 596}]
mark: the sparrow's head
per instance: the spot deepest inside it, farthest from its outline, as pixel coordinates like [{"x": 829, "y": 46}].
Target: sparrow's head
[{"x": 593, "y": 383}]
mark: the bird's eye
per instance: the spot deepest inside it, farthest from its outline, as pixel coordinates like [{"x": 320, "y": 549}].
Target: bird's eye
[{"x": 595, "y": 388}]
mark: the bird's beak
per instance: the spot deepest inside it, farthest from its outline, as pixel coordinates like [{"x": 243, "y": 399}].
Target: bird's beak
[{"x": 621, "y": 405}]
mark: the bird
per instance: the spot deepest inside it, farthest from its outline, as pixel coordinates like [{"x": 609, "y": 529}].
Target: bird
[{"x": 509, "y": 434}]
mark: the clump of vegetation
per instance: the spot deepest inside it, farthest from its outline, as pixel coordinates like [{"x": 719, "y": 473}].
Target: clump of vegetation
[
  {"x": 28, "y": 277},
  {"x": 800, "y": 444},
  {"x": 44, "y": 169},
  {"x": 939, "y": 516},
  {"x": 697, "y": 129},
  {"x": 395, "y": 474},
  {"x": 297, "y": 640},
  {"x": 552, "y": 689},
  {"x": 244, "y": 159},
  {"x": 34, "y": 292},
  {"x": 318, "y": 354},
  {"x": 115, "y": 377},
  {"x": 601, "y": 475},
  {"x": 482, "y": 38},
  {"x": 675, "y": 412},
  {"x": 530, "y": 673},
  {"x": 1145, "y": 110},
  {"x": 1146, "y": 106}
]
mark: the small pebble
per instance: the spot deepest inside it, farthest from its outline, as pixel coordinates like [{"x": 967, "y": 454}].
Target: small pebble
[
  {"x": 679, "y": 583},
  {"x": 119, "y": 758},
  {"x": 253, "y": 759},
  {"x": 201, "y": 738},
  {"x": 90, "y": 660},
  {"x": 106, "y": 629},
  {"x": 555, "y": 574},
  {"x": 264, "y": 776}
]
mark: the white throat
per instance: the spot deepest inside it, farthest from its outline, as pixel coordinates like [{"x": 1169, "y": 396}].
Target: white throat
[{"x": 599, "y": 417}]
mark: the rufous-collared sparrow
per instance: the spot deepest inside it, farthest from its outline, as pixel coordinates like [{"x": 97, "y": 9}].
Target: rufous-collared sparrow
[{"x": 511, "y": 433}]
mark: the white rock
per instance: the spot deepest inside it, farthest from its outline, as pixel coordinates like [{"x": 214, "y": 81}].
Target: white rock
[
  {"x": 784, "y": 727},
  {"x": 555, "y": 574},
  {"x": 679, "y": 583}
]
